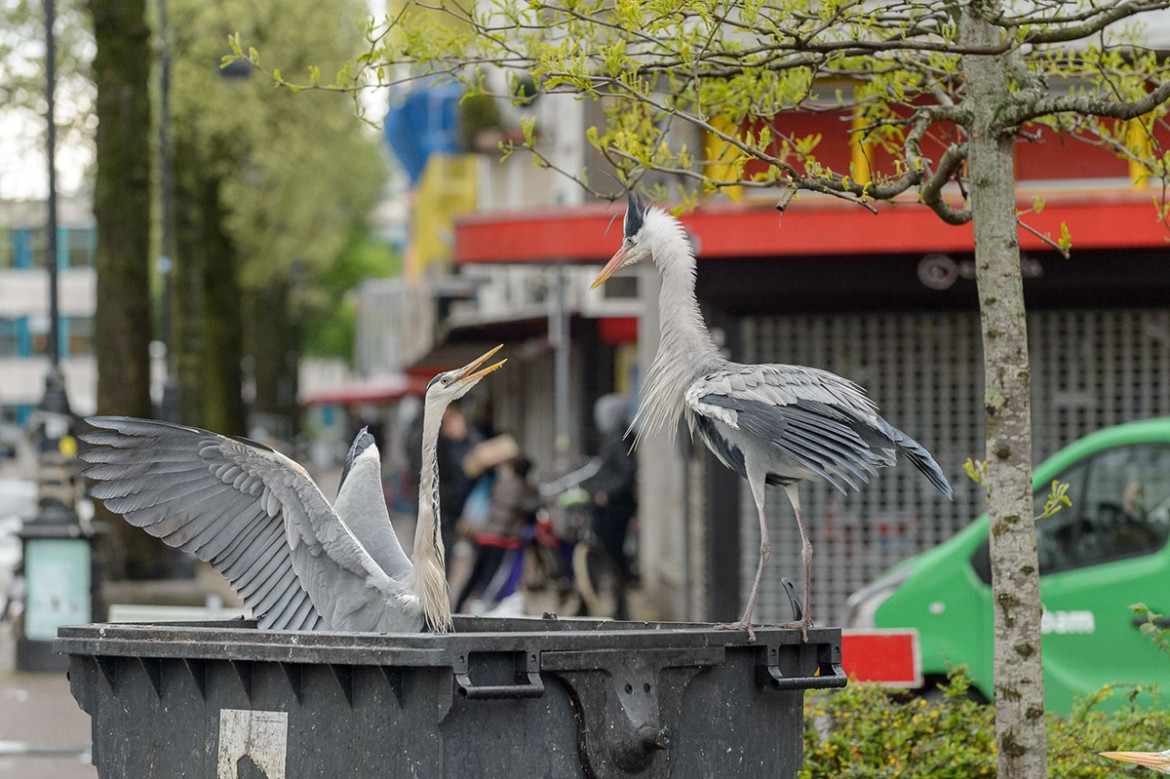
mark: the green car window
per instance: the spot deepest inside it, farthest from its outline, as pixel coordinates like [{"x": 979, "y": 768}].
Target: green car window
[
  {"x": 1120, "y": 508},
  {"x": 1125, "y": 508}
]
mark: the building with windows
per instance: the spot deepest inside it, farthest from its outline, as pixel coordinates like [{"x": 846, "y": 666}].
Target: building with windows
[{"x": 24, "y": 306}]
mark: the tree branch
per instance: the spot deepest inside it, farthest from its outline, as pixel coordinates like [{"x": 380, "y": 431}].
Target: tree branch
[
  {"x": 1019, "y": 113},
  {"x": 1088, "y": 23},
  {"x": 931, "y": 191},
  {"x": 1064, "y": 252}
]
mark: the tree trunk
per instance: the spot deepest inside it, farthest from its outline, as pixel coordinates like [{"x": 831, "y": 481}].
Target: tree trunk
[
  {"x": 121, "y": 204},
  {"x": 221, "y": 374},
  {"x": 1019, "y": 682},
  {"x": 207, "y": 318},
  {"x": 187, "y": 306},
  {"x": 273, "y": 344}
]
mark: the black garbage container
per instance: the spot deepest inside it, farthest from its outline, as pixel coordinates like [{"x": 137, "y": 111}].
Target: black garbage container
[{"x": 513, "y": 698}]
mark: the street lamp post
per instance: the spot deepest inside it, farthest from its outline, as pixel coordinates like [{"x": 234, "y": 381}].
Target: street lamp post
[{"x": 57, "y": 561}]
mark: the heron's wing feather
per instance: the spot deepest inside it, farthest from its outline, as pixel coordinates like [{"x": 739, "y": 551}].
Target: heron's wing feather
[
  {"x": 787, "y": 384},
  {"x": 205, "y": 494},
  {"x": 251, "y": 512},
  {"x": 349, "y": 588},
  {"x": 923, "y": 461},
  {"x": 820, "y": 420},
  {"x": 362, "y": 506},
  {"x": 810, "y": 434}
]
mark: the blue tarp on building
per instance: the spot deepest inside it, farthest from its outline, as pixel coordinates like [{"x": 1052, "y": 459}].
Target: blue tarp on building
[{"x": 425, "y": 122}]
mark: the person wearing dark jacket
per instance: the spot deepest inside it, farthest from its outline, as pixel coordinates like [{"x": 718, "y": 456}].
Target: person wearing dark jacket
[
  {"x": 456, "y": 440},
  {"x": 614, "y": 487}
]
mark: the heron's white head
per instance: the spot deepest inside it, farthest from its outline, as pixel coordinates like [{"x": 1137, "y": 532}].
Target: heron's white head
[
  {"x": 635, "y": 242},
  {"x": 1158, "y": 761},
  {"x": 452, "y": 385}
]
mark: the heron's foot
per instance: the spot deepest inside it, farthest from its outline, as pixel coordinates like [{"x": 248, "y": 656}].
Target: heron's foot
[
  {"x": 741, "y": 625},
  {"x": 802, "y": 624}
]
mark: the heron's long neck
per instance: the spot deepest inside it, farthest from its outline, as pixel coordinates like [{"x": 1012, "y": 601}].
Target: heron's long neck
[
  {"x": 685, "y": 348},
  {"x": 429, "y": 572}
]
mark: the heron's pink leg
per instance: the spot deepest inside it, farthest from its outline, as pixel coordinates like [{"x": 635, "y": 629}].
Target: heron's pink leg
[
  {"x": 745, "y": 622},
  {"x": 805, "y": 557}
]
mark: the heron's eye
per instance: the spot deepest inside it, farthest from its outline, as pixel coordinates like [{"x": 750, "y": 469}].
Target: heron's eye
[{"x": 446, "y": 380}]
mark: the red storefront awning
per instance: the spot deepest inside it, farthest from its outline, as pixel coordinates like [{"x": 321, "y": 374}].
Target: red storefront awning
[
  {"x": 381, "y": 390},
  {"x": 1096, "y": 219}
]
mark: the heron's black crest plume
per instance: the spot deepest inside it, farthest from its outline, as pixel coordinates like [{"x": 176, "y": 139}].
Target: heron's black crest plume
[
  {"x": 635, "y": 214},
  {"x": 635, "y": 209}
]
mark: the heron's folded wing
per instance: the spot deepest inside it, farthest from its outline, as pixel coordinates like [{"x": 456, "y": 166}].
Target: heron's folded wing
[
  {"x": 798, "y": 422},
  {"x": 782, "y": 383}
]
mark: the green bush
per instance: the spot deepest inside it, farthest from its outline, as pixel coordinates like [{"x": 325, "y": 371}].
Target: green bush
[{"x": 868, "y": 731}]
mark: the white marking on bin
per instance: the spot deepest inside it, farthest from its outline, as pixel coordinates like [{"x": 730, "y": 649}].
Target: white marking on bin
[{"x": 260, "y": 735}]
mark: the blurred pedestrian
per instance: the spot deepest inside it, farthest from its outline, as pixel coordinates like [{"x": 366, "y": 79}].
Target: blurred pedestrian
[
  {"x": 513, "y": 504},
  {"x": 456, "y": 440},
  {"x": 614, "y": 487}
]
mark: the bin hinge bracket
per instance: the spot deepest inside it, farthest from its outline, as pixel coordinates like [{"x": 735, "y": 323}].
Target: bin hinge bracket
[
  {"x": 771, "y": 673},
  {"x": 628, "y": 705}
]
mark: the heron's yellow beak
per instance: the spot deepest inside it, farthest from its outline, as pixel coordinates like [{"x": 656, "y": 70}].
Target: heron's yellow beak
[
  {"x": 1159, "y": 761},
  {"x": 617, "y": 261},
  {"x": 468, "y": 373}
]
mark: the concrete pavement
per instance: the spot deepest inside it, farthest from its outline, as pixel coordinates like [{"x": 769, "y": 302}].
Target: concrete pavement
[{"x": 44, "y": 734}]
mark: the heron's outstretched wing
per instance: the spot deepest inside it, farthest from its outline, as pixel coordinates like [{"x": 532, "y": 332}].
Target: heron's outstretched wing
[
  {"x": 205, "y": 494},
  {"x": 252, "y": 513},
  {"x": 362, "y": 506}
]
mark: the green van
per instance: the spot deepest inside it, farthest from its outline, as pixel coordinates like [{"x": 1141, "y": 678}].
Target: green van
[{"x": 1097, "y": 557}]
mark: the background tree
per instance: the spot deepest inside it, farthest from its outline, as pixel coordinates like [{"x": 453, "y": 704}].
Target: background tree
[
  {"x": 943, "y": 90},
  {"x": 122, "y": 212},
  {"x": 22, "y": 91},
  {"x": 269, "y": 190}
]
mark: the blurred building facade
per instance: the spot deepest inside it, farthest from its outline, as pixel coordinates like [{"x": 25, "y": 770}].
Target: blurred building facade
[{"x": 24, "y": 306}]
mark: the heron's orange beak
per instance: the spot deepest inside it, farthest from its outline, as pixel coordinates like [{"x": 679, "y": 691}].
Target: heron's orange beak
[
  {"x": 468, "y": 373},
  {"x": 615, "y": 262},
  {"x": 1159, "y": 761}
]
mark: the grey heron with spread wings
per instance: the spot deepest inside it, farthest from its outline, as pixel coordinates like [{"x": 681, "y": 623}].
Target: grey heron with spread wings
[
  {"x": 259, "y": 519},
  {"x": 771, "y": 424}
]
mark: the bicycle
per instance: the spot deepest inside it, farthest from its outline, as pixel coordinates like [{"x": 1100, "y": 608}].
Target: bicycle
[{"x": 559, "y": 566}]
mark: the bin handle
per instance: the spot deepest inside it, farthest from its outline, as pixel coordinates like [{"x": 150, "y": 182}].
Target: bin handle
[
  {"x": 831, "y": 676},
  {"x": 533, "y": 688}
]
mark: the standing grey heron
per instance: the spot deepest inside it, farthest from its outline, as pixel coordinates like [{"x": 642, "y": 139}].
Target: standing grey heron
[
  {"x": 259, "y": 519},
  {"x": 771, "y": 424}
]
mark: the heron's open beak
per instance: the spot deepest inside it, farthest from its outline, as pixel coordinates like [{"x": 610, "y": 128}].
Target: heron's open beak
[
  {"x": 468, "y": 373},
  {"x": 1159, "y": 761},
  {"x": 611, "y": 267}
]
